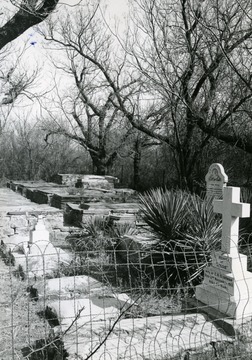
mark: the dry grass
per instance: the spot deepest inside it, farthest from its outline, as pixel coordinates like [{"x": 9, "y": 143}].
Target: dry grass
[{"x": 19, "y": 324}]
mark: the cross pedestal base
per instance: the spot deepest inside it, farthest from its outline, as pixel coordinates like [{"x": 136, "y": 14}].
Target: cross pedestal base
[
  {"x": 227, "y": 286},
  {"x": 225, "y": 303}
]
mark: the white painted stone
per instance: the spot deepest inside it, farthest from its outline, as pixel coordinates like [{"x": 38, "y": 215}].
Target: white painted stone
[
  {"x": 142, "y": 338},
  {"x": 69, "y": 287},
  {"x": 40, "y": 232},
  {"x": 41, "y": 259},
  {"x": 229, "y": 306},
  {"x": 94, "y": 308},
  {"x": 227, "y": 285},
  {"x": 17, "y": 222},
  {"x": 231, "y": 209},
  {"x": 216, "y": 180},
  {"x": 227, "y": 262},
  {"x": 16, "y": 242}
]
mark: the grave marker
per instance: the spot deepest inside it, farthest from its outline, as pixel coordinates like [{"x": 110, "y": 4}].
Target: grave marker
[
  {"x": 231, "y": 209},
  {"x": 40, "y": 232},
  {"x": 216, "y": 180},
  {"x": 227, "y": 285}
]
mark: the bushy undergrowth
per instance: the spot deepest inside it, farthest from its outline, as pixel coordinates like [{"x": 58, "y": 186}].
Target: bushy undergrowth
[
  {"x": 187, "y": 229},
  {"x": 95, "y": 250},
  {"x": 98, "y": 233},
  {"x": 6, "y": 255},
  {"x": 47, "y": 349}
]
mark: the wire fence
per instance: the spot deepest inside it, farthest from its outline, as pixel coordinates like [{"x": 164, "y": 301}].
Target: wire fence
[{"x": 108, "y": 303}]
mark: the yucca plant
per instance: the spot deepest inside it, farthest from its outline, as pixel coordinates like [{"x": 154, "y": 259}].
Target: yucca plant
[
  {"x": 118, "y": 230},
  {"x": 164, "y": 211},
  {"x": 187, "y": 229},
  {"x": 94, "y": 236},
  {"x": 96, "y": 226}
]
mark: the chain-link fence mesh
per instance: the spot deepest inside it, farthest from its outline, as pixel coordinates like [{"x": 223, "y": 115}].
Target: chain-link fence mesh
[{"x": 108, "y": 303}]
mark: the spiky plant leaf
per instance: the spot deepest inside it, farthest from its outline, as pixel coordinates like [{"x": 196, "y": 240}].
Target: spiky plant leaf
[
  {"x": 188, "y": 231},
  {"x": 164, "y": 211}
]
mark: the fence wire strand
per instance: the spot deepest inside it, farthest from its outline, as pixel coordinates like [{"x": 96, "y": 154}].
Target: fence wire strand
[{"x": 107, "y": 304}]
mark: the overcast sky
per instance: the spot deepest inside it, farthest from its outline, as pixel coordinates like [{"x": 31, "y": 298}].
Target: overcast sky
[{"x": 35, "y": 55}]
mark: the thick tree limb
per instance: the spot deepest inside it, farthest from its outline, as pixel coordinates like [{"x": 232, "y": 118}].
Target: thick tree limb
[{"x": 28, "y": 15}]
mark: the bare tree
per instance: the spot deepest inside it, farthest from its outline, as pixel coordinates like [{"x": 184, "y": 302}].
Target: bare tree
[
  {"x": 195, "y": 58},
  {"x": 25, "y": 155},
  {"x": 99, "y": 76}
]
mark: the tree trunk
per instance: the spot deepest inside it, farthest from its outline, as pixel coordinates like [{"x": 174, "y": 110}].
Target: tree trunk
[
  {"x": 185, "y": 168},
  {"x": 99, "y": 167},
  {"x": 136, "y": 164},
  {"x": 25, "y": 18},
  {"x": 136, "y": 178}
]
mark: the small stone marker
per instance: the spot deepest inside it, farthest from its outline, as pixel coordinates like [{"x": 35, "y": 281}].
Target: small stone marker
[
  {"x": 216, "y": 180},
  {"x": 227, "y": 285},
  {"x": 40, "y": 232}
]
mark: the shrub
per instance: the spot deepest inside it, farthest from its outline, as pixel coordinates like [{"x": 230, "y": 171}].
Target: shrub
[
  {"x": 6, "y": 255},
  {"x": 93, "y": 238},
  {"x": 164, "y": 211},
  {"x": 188, "y": 230},
  {"x": 48, "y": 349},
  {"x": 19, "y": 272},
  {"x": 95, "y": 250}
]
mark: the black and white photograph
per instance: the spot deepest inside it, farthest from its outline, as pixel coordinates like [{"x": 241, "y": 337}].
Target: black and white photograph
[{"x": 125, "y": 179}]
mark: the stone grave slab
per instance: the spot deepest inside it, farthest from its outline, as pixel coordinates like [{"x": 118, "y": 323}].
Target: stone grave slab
[
  {"x": 92, "y": 308},
  {"x": 72, "y": 215},
  {"x": 87, "y": 180},
  {"x": 132, "y": 247},
  {"x": 98, "y": 195},
  {"x": 123, "y": 218},
  {"x": 42, "y": 196},
  {"x": 41, "y": 259},
  {"x": 151, "y": 338},
  {"x": 20, "y": 186},
  {"x": 69, "y": 287},
  {"x": 227, "y": 285},
  {"x": 37, "y": 255},
  {"x": 125, "y": 212},
  {"x": 114, "y": 207},
  {"x": 17, "y": 242},
  {"x": 216, "y": 180},
  {"x": 60, "y": 200}
]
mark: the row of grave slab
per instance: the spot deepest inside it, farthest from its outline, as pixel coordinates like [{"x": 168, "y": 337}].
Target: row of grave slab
[
  {"x": 95, "y": 196},
  {"x": 88, "y": 312},
  {"x": 91, "y": 188}
]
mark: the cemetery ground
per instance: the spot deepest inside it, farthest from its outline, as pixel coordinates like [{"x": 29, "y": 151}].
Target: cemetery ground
[{"x": 91, "y": 280}]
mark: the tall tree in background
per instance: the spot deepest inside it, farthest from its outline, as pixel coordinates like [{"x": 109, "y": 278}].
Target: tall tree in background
[
  {"x": 25, "y": 155},
  {"x": 99, "y": 75},
  {"x": 195, "y": 57}
]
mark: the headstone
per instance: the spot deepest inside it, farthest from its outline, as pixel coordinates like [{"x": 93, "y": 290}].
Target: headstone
[
  {"x": 231, "y": 209},
  {"x": 227, "y": 285},
  {"x": 216, "y": 180},
  {"x": 40, "y": 232}
]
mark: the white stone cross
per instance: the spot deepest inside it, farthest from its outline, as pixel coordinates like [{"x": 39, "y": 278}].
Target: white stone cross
[{"x": 231, "y": 209}]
